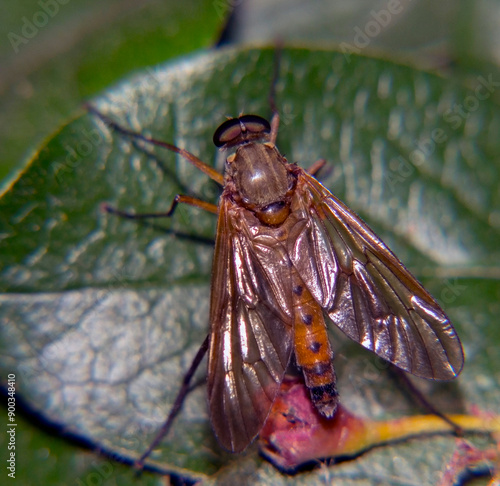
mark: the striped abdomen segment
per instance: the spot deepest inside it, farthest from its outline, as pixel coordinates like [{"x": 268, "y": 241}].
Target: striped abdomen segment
[{"x": 312, "y": 349}]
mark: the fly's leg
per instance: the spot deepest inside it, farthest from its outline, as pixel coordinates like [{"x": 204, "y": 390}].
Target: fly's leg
[
  {"x": 178, "y": 199},
  {"x": 416, "y": 393},
  {"x": 186, "y": 382},
  {"x": 179, "y": 400},
  {"x": 192, "y": 159},
  {"x": 316, "y": 167}
]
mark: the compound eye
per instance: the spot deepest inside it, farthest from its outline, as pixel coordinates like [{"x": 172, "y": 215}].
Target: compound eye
[
  {"x": 240, "y": 130},
  {"x": 227, "y": 131},
  {"x": 255, "y": 124}
]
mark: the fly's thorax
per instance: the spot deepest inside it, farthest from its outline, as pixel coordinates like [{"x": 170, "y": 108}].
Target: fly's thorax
[{"x": 263, "y": 181}]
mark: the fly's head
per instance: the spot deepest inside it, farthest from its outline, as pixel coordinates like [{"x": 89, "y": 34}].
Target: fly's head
[{"x": 258, "y": 176}]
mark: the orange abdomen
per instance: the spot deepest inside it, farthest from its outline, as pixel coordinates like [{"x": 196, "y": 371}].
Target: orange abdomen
[{"x": 313, "y": 352}]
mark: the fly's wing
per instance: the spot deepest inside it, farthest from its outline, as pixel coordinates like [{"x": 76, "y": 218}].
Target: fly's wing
[
  {"x": 366, "y": 291},
  {"x": 250, "y": 337}
]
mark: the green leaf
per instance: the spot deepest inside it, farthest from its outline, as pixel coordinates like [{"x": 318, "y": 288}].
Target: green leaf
[
  {"x": 56, "y": 53},
  {"x": 100, "y": 316}
]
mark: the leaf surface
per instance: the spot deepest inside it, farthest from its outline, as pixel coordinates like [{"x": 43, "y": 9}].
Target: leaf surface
[{"x": 101, "y": 316}]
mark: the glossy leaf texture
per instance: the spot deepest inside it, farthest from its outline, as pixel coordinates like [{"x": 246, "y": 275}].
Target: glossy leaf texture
[{"x": 100, "y": 316}]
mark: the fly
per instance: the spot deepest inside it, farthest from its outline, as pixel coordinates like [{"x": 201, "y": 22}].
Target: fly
[{"x": 290, "y": 260}]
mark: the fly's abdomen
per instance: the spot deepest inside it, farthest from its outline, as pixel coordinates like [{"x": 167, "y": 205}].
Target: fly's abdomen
[{"x": 313, "y": 352}]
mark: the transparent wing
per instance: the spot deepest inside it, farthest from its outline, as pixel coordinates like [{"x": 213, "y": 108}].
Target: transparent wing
[
  {"x": 251, "y": 332},
  {"x": 366, "y": 291}
]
